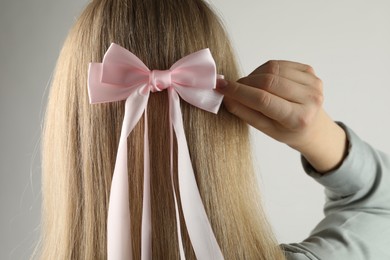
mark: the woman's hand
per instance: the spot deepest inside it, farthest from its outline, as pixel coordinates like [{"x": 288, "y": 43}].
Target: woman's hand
[{"x": 284, "y": 99}]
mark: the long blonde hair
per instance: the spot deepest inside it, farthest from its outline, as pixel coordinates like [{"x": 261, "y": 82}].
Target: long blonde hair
[{"x": 80, "y": 140}]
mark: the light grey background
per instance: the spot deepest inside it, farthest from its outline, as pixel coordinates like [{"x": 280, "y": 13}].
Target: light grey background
[{"x": 347, "y": 42}]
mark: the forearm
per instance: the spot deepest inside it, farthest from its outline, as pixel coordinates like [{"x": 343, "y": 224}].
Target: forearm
[{"x": 357, "y": 209}]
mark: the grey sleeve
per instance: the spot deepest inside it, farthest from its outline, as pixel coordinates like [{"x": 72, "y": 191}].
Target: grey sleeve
[{"x": 357, "y": 209}]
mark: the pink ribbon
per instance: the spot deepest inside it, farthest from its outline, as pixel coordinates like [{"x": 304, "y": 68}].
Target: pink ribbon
[{"x": 121, "y": 76}]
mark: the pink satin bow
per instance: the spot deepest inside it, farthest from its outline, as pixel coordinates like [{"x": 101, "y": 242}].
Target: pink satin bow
[{"x": 121, "y": 76}]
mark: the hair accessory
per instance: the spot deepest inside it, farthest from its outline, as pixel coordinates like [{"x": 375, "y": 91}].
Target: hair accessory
[{"x": 122, "y": 76}]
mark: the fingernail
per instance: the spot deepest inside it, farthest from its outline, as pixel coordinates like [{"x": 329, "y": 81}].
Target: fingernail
[{"x": 222, "y": 83}]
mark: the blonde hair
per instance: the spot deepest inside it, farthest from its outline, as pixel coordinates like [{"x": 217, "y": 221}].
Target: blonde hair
[{"x": 80, "y": 140}]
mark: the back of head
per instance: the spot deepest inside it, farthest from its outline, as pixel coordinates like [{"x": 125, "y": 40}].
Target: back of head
[{"x": 80, "y": 140}]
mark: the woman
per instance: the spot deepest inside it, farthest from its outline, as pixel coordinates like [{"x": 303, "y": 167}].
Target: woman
[{"x": 282, "y": 99}]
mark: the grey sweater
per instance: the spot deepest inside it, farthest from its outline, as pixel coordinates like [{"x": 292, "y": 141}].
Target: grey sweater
[{"x": 357, "y": 209}]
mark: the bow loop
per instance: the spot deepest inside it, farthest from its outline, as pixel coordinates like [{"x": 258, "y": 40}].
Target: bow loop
[
  {"x": 196, "y": 70},
  {"x": 121, "y": 67},
  {"x": 117, "y": 76}
]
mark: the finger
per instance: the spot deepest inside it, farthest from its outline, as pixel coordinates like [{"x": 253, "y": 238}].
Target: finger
[
  {"x": 282, "y": 87},
  {"x": 252, "y": 117},
  {"x": 297, "y": 66},
  {"x": 301, "y": 77},
  {"x": 259, "y": 100},
  {"x": 290, "y": 70},
  {"x": 274, "y": 65}
]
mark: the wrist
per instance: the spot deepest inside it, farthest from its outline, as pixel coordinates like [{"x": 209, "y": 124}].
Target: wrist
[{"x": 325, "y": 148}]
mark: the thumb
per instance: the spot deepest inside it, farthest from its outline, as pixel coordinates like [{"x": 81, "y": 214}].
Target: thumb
[{"x": 228, "y": 88}]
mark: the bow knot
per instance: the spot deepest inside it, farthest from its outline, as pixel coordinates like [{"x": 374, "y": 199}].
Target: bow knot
[
  {"x": 122, "y": 76},
  {"x": 159, "y": 80}
]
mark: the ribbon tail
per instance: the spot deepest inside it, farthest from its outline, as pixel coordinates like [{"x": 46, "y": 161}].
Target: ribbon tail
[
  {"x": 178, "y": 228},
  {"x": 198, "y": 226},
  {"x": 146, "y": 229},
  {"x": 119, "y": 246}
]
